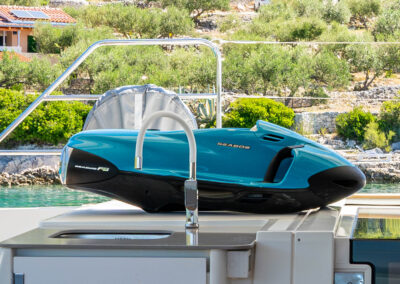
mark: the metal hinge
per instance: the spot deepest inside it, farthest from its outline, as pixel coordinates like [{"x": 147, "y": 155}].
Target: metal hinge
[
  {"x": 349, "y": 278},
  {"x": 19, "y": 278}
]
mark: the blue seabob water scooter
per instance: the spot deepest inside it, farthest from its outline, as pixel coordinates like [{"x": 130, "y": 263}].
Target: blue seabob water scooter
[{"x": 265, "y": 169}]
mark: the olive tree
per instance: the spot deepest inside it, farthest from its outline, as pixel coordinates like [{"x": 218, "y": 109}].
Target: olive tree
[
  {"x": 388, "y": 23},
  {"x": 34, "y": 75},
  {"x": 133, "y": 22},
  {"x": 372, "y": 61},
  {"x": 197, "y": 8},
  {"x": 25, "y": 2}
]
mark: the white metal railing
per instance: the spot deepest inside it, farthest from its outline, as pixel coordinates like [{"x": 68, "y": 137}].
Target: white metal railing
[{"x": 45, "y": 96}]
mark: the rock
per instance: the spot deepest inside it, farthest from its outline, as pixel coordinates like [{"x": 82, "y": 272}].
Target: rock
[
  {"x": 18, "y": 164},
  {"x": 351, "y": 143},
  {"x": 396, "y": 146},
  {"x": 207, "y": 25},
  {"x": 374, "y": 151},
  {"x": 241, "y": 7}
]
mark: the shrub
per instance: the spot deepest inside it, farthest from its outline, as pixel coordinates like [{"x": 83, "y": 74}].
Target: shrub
[
  {"x": 389, "y": 117},
  {"x": 296, "y": 29},
  {"x": 376, "y": 138},
  {"x": 246, "y": 111},
  {"x": 352, "y": 125},
  {"x": 51, "y": 122},
  {"x": 306, "y": 29},
  {"x": 228, "y": 23}
]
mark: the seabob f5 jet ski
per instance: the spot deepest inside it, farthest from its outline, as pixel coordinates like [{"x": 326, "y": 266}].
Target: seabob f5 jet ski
[{"x": 266, "y": 169}]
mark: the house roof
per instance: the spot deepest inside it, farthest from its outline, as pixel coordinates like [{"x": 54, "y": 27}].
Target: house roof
[
  {"x": 55, "y": 16},
  {"x": 19, "y": 56}
]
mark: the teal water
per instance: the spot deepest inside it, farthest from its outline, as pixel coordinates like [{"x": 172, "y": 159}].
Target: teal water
[
  {"x": 57, "y": 195},
  {"x": 44, "y": 196},
  {"x": 381, "y": 188}
]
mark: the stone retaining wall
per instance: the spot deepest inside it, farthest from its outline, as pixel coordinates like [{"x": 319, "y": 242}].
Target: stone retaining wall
[{"x": 314, "y": 122}]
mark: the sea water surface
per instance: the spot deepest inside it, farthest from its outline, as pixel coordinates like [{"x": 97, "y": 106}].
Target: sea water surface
[
  {"x": 45, "y": 196},
  {"x": 57, "y": 195}
]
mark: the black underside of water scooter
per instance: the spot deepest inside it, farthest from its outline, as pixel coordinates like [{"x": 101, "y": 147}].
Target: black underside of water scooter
[{"x": 165, "y": 193}]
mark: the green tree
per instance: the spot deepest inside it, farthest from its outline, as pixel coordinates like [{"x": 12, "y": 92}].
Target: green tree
[
  {"x": 330, "y": 70},
  {"x": 175, "y": 21},
  {"x": 338, "y": 12},
  {"x": 272, "y": 64},
  {"x": 198, "y": 7},
  {"x": 134, "y": 22},
  {"x": 372, "y": 60},
  {"x": 25, "y": 2},
  {"x": 308, "y": 8},
  {"x": 277, "y": 9},
  {"x": 52, "y": 39},
  {"x": 387, "y": 25}
]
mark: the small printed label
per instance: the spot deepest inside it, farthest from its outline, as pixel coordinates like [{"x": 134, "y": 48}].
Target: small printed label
[
  {"x": 102, "y": 169},
  {"x": 233, "y": 145}
]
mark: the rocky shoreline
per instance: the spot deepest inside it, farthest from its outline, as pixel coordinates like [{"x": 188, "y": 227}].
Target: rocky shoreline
[
  {"x": 29, "y": 170},
  {"x": 39, "y": 176},
  {"x": 376, "y": 172}
]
